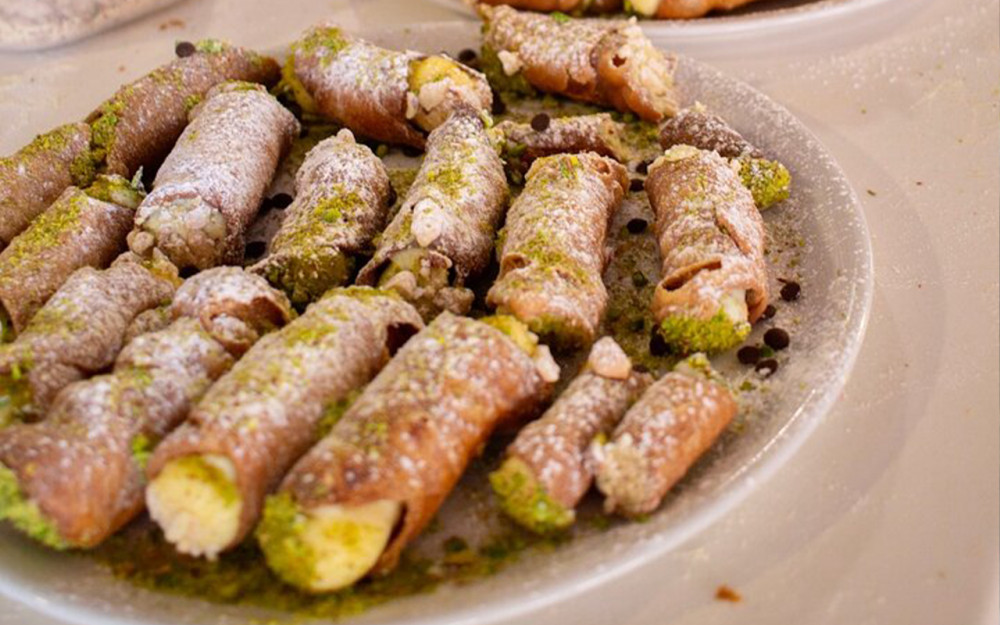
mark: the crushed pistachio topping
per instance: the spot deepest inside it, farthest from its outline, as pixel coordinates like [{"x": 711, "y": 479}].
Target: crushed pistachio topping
[
  {"x": 515, "y": 329},
  {"x": 768, "y": 181},
  {"x": 690, "y": 334},
  {"x": 525, "y": 500},
  {"x": 117, "y": 190},
  {"x": 24, "y": 514}
]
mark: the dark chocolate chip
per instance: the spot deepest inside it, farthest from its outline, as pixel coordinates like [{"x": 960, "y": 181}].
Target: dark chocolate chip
[
  {"x": 769, "y": 312},
  {"x": 776, "y": 339},
  {"x": 637, "y": 225},
  {"x": 187, "y": 272},
  {"x": 255, "y": 249},
  {"x": 636, "y": 185},
  {"x": 642, "y": 167},
  {"x": 657, "y": 345},
  {"x": 467, "y": 56},
  {"x": 184, "y": 49},
  {"x": 639, "y": 279},
  {"x": 790, "y": 292},
  {"x": 499, "y": 107},
  {"x": 637, "y": 325},
  {"x": 766, "y": 367},
  {"x": 412, "y": 152},
  {"x": 748, "y": 355},
  {"x": 540, "y": 122},
  {"x": 281, "y": 200}
]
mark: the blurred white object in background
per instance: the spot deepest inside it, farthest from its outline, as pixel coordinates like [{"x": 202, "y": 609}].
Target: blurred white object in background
[{"x": 39, "y": 24}]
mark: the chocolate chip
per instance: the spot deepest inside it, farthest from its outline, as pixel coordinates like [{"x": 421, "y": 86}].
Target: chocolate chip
[
  {"x": 777, "y": 339},
  {"x": 392, "y": 195},
  {"x": 281, "y": 200},
  {"x": 499, "y": 107},
  {"x": 769, "y": 312},
  {"x": 255, "y": 249},
  {"x": 637, "y": 325},
  {"x": 187, "y": 272},
  {"x": 636, "y": 185},
  {"x": 748, "y": 355},
  {"x": 540, "y": 122},
  {"x": 643, "y": 167},
  {"x": 412, "y": 152},
  {"x": 639, "y": 279},
  {"x": 637, "y": 225},
  {"x": 790, "y": 291},
  {"x": 657, "y": 345},
  {"x": 766, "y": 367},
  {"x": 184, "y": 49},
  {"x": 467, "y": 56}
]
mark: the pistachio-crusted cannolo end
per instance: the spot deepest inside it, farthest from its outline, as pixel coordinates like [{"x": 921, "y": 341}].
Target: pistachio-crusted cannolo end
[
  {"x": 515, "y": 329},
  {"x": 306, "y": 277},
  {"x": 768, "y": 181},
  {"x": 196, "y": 502},
  {"x": 189, "y": 231},
  {"x": 440, "y": 84},
  {"x": 525, "y": 501},
  {"x": 622, "y": 475},
  {"x": 685, "y": 334},
  {"x": 24, "y": 514},
  {"x": 116, "y": 190},
  {"x": 497, "y": 74},
  {"x": 325, "y": 548}
]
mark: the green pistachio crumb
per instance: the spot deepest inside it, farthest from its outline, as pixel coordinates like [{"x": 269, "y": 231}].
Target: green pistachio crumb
[
  {"x": 24, "y": 514},
  {"x": 768, "y": 181},
  {"x": 279, "y": 535},
  {"x": 689, "y": 334},
  {"x": 515, "y": 329},
  {"x": 524, "y": 500}
]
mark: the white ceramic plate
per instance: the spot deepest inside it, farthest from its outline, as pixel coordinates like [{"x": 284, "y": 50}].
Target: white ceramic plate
[{"x": 827, "y": 326}]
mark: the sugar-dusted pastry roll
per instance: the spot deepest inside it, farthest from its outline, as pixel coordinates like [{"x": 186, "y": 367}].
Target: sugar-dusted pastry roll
[
  {"x": 597, "y": 133},
  {"x": 574, "y": 7},
  {"x": 443, "y": 233},
  {"x": 78, "y": 332},
  {"x": 711, "y": 239},
  {"x": 674, "y": 422},
  {"x": 383, "y": 94},
  {"x": 607, "y": 62},
  {"x": 681, "y": 9},
  {"x": 352, "y": 504},
  {"x": 32, "y": 178},
  {"x": 210, "y": 476},
  {"x": 341, "y": 204},
  {"x": 767, "y": 180},
  {"x": 209, "y": 189},
  {"x": 552, "y": 247},
  {"x": 546, "y": 471},
  {"x": 138, "y": 126},
  {"x": 82, "y": 228},
  {"x": 75, "y": 478}
]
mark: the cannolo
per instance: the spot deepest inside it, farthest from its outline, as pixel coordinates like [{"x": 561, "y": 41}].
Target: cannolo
[
  {"x": 341, "y": 204},
  {"x": 767, "y": 180},
  {"x": 522, "y": 144},
  {"x": 139, "y": 125},
  {"x": 546, "y": 471},
  {"x": 34, "y": 177},
  {"x": 78, "y": 332},
  {"x": 681, "y": 9},
  {"x": 75, "y": 478},
  {"x": 443, "y": 233},
  {"x": 607, "y": 62},
  {"x": 208, "y": 478},
  {"x": 210, "y": 187},
  {"x": 82, "y": 228},
  {"x": 352, "y": 504},
  {"x": 386, "y": 95},
  {"x": 552, "y": 247},
  {"x": 572, "y": 7},
  {"x": 674, "y": 422},
  {"x": 711, "y": 238}
]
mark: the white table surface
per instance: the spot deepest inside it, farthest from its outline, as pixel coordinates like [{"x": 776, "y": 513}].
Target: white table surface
[{"x": 889, "y": 513}]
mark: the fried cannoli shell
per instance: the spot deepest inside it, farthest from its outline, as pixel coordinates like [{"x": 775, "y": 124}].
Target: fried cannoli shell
[
  {"x": 710, "y": 234},
  {"x": 263, "y": 415},
  {"x": 410, "y": 435},
  {"x": 674, "y": 422},
  {"x": 610, "y": 63},
  {"x": 554, "y": 447},
  {"x": 341, "y": 204},
  {"x": 81, "y": 329},
  {"x": 687, "y": 9},
  {"x": 210, "y": 187},
  {"x": 552, "y": 255},
  {"x": 76, "y": 231},
  {"x": 706, "y": 131},
  {"x": 563, "y": 6},
  {"x": 33, "y": 178},
  {"x": 139, "y": 125},
  {"x": 368, "y": 89},
  {"x": 597, "y": 133},
  {"x": 453, "y": 207}
]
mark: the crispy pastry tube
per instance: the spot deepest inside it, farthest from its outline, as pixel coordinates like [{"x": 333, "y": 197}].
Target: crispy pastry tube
[
  {"x": 552, "y": 247},
  {"x": 139, "y": 125},
  {"x": 610, "y": 63},
  {"x": 767, "y": 180},
  {"x": 546, "y": 472},
  {"x": 38, "y": 173},
  {"x": 341, "y": 204},
  {"x": 681, "y": 9},
  {"x": 574, "y": 7},
  {"x": 597, "y": 133},
  {"x": 79, "y": 475},
  {"x": 443, "y": 233},
  {"x": 387, "y": 95},
  {"x": 208, "y": 479},
  {"x": 365, "y": 491},
  {"x": 80, "y": 229},
  {"x": 78, "y": 332},
  {"x": 674, "y": 422},
  {"x": 711, "y": 239},
  {"x": 209, "y": 189}
]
